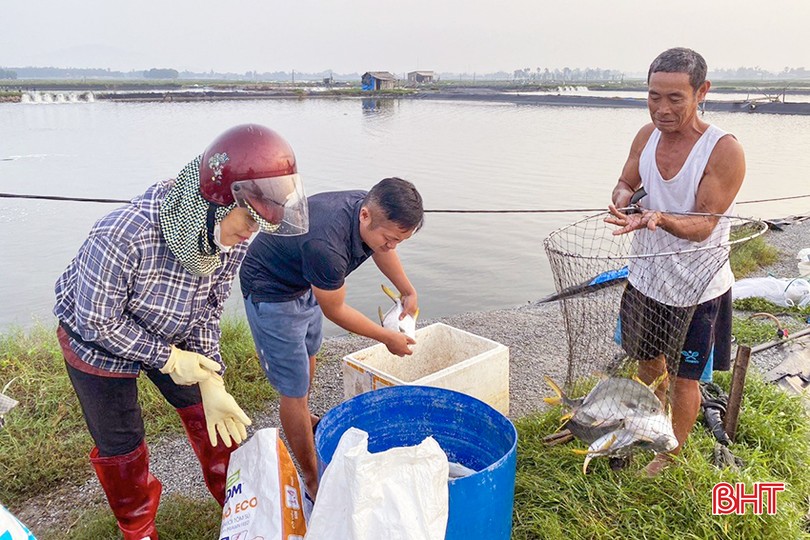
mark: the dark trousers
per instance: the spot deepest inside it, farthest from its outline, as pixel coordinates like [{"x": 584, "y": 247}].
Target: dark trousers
[{"x": 111, "y": 410}]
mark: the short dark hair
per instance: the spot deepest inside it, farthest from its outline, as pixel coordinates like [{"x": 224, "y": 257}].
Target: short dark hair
[
  {"x": 399, "y": 201},
  {"x": 681, "y": 60}
]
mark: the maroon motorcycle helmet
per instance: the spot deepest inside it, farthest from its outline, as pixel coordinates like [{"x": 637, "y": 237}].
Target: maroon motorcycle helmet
[{"x": 255, "y": 167}]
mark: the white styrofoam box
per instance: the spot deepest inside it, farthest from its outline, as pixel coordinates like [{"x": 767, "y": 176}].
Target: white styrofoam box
[{"x": 444, "y": 357}]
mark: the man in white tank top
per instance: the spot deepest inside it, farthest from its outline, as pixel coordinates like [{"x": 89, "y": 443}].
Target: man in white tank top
[{"x": 684, "y": 165}]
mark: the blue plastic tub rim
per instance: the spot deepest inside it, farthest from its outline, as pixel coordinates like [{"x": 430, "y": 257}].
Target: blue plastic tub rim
[
  {"x": 512, "y": 433},
  {"x": 458, "y": 396}
]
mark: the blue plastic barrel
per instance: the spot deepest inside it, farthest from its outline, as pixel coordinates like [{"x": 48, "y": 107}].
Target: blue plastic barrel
[{"x": 469, "y": 431}]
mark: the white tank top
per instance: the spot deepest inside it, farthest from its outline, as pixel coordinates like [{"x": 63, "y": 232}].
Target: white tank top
[{"x": 670, "y": 281}]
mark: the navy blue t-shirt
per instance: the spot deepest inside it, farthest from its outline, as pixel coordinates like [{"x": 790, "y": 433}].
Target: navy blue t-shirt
[{"x": 282, "y": 268}]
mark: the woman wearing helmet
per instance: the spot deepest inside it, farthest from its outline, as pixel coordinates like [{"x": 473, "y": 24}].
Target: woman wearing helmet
[{"x": 146, "y": 292}]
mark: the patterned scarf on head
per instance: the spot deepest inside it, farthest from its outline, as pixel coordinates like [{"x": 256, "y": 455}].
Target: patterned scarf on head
[
  {"x": 184, "y": 222},
  {"x": 264, "y": 225}
]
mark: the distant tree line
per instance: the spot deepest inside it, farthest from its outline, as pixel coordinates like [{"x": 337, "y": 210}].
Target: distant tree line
[
  {"x": 156, "y": 73},
  {"x": 750, "y": 73},
  {"x": 69, "y": 73},
  {"x": 567, "y": 74},
  {"x": 577, "y": 75},
  {"x": 8, "y": 74},
  {"x": 291, "y": 76}
]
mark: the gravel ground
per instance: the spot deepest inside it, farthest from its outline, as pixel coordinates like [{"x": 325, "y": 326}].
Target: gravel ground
[{"x": 534, "y": 334}]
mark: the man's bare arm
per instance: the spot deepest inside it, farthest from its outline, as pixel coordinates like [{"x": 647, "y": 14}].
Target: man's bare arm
[
  {"x": 334, "y": 307},
  {"x": 630, "y": 179},
  {"x": 723, "y": 177}
]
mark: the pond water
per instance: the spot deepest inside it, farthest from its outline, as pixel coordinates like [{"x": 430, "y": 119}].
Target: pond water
[{"x": 460, "y": 156}]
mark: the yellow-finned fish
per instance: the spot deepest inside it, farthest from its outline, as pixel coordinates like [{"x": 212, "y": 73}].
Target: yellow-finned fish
[
  {"x": 637, "y": 432},
  {"x": 618, "y": 416},
  {"x": 391, "y": 320}
]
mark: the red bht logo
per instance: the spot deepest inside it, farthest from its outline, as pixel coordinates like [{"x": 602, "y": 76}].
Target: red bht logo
[{"x": 728, "y": 499}]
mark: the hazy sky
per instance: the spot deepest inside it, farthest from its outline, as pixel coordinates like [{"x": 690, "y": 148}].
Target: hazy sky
[{"x": 359, "y": 35}]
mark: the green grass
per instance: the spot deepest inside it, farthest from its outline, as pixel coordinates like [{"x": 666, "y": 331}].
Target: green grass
[
  {"x": 750, "y": 332},
  {"x": 554, "y": 500},
  {"x": 45, "y": 442},
  {"x": 760, "y": 305},
  {"x": 748, "y": 257}
]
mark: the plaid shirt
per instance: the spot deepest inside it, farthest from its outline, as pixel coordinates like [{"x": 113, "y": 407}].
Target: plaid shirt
[{"x": 128, "y": 294}]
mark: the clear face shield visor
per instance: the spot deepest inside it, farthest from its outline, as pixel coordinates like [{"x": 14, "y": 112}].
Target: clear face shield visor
[{"x": 278, "y": 204}]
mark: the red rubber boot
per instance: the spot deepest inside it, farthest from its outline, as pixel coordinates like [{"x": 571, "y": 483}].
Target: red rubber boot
[
  {"x": 132, "y": 491},
  {"x": 213, "y": 459}
]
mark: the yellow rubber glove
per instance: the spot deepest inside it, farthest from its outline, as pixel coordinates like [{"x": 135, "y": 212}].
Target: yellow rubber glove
[
  {"x": 187, "y": 368},
  {"x": 222, "y": 414}
]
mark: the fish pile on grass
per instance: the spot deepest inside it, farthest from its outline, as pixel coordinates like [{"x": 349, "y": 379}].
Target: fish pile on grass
[{"x": 617, "y": 417}]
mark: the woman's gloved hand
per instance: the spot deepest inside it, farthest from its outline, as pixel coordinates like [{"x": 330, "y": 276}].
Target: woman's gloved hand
[
  {"x": 222, "y": 414},
  {"x": 187, "y": 368}
]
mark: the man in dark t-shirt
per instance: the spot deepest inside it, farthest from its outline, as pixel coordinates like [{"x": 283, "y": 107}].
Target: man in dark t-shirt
[{"x": 290, "y": 281}]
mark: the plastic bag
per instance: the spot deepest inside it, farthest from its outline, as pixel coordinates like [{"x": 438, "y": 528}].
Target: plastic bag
[
  {"x": 804, "y": 262},
  {"x": 11, "y": 528},
  {"x": 263, "y": 495},
  {"x": 782, "y": 292},
  {"x": 457, "y": 470},
  {"x": 797, "y": 292},
  {"x": 6, "y": 404},
  {"x": 398, "y": 494}
]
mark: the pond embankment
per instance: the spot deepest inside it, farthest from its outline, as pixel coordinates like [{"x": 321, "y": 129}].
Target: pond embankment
[{"x": 779, "y": 103}]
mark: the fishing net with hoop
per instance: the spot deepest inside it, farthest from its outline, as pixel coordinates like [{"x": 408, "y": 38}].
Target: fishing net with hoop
[{"x": 630, "y": 297}]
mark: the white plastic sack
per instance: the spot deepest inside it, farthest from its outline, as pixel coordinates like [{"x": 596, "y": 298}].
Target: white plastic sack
[
  {"x": 11, "y": 528},
  {"x": 797, "y": 292},
  {"x": 398, "y": 494},
  {"x": 782, "y": 292},
  {"x": 457, "y": 470},
  {"x": 6, "y": 404},
  {"x": 263, "y": 495},
  {"x": 804, "y": 262}
]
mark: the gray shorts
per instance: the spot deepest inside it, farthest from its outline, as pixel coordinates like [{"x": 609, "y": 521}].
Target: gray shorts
[{"x": 286, "y": 334}]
